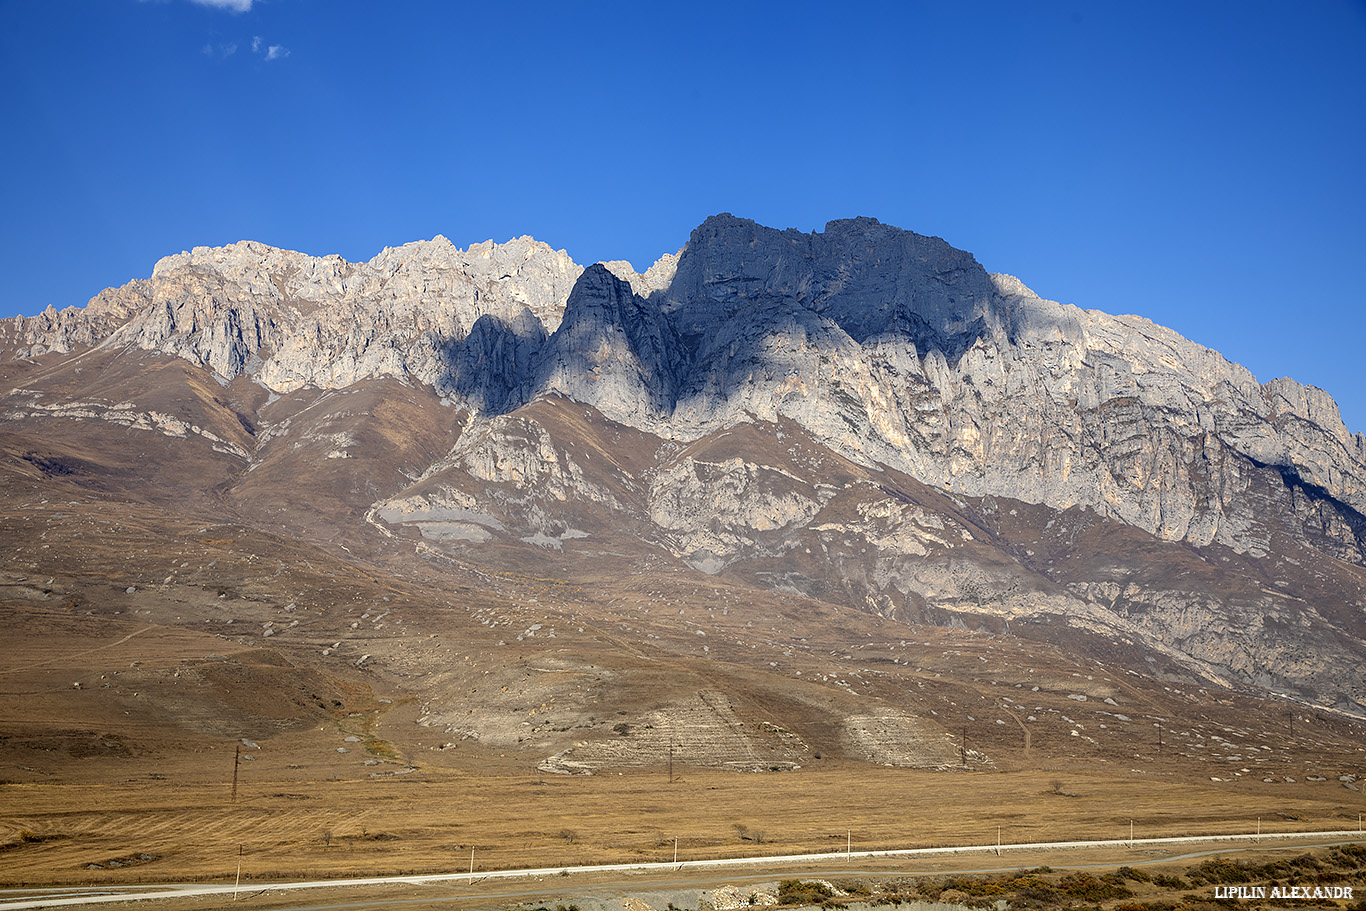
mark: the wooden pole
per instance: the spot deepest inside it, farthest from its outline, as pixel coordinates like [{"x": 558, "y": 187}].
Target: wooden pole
[
  {"x": 239, "y": 873},
  {"x": 236, "y": 761}
]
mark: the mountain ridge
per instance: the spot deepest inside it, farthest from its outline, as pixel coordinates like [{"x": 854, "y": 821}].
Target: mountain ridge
[
  {"x": 1007, "y": 459},
  {"x": 895, "y": 346}
]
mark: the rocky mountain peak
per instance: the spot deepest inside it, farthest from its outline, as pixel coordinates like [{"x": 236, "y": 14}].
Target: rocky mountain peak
[
  {"x": 861, "y": 415},
  {"x": 889, "y": 346},
  {"x": 615, "y": 349}
]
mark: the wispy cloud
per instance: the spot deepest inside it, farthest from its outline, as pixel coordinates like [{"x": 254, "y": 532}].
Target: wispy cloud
[
  {"x": 271, "y": 52},
  {"x": 234, "y": 6},
  {"x": 220, "y": 51}
]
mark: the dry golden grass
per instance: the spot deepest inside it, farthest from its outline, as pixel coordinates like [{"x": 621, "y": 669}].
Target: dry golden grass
[{"x": 428, "y": 821}]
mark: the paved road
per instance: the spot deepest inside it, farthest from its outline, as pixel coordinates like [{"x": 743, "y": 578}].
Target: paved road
[{"x": 15, "y": 899}]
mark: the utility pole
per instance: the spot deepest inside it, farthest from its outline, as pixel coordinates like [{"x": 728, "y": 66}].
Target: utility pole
[
  {"x": 239, "y": 872},
  {"x": 236, "y": 761},
  {"x": 471, "y": 860},
  {"x": 849, "y": 842},
  {"x": 998, "y": 841},
  {"x": 1131, "y": 833},
  {"x": 675, "y": 849}
]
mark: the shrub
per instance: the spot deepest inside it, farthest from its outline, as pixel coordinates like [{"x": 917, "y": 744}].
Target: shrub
[
  {"x": 977, "y": 887},
  {"x": 1357, "y": 852},
  {"x": 1089, "y": 888},
  {"x": 796, "y": 892},
  {"x": 1033, "y": 890},
  {"x": 1218, "y": 870}
]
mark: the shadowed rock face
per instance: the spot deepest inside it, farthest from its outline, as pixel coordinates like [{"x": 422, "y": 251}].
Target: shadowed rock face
[
  {"x": 615, "y": 348},
  {"x": 870, "y": 280},
  {"x": 967, "y": 448}
]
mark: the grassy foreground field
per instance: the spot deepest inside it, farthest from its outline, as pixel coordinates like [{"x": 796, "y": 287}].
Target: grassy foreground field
[{"x": 161, "y": 828}]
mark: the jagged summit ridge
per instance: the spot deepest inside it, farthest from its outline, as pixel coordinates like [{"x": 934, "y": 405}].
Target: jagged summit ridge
[
  {"x": 293, "y": 320},
  {"x": 898, "y": 349},
  {"x": 888, "y": 346}
]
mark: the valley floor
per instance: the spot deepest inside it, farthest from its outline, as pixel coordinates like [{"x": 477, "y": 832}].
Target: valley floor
[{"x": 169, "y": 824}]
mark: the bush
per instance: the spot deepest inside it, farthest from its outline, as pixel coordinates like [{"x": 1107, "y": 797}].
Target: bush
[
  {"x": 1033, "y": 890},
  {"x": 975, "y": 887},
  {"x": 1217, "y": 871},
  {"x": 1089, "y": 888},
  {"x": 1138, "y": 876},
  {"x": 1357, "y": 852},
  {"x": 796, "y": 892}
]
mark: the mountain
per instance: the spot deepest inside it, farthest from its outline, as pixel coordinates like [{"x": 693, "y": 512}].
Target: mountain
[{"x": 857, "y": 423}]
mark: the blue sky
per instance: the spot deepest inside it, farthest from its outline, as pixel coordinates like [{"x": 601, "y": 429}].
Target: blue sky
[{"x": 1200, "y": 164}]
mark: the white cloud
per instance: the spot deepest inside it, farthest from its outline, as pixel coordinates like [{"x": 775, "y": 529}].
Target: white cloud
[
  {"x": 234, "y": 6},
  {"x": 272, "y": 52},
  {"x": 220, "y": 51}
]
